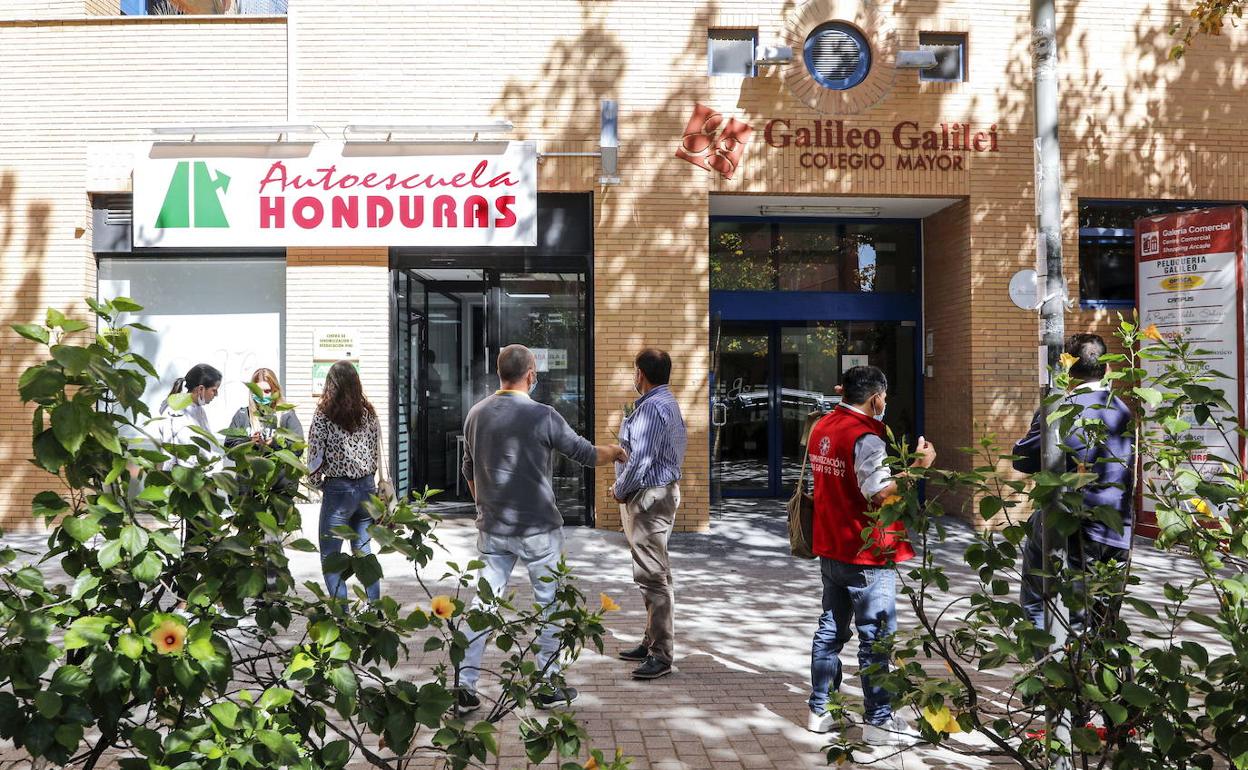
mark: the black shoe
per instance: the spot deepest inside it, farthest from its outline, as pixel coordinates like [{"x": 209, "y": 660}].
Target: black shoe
[
  {"x": 652, "y": 668},
  {"x": 638, "y": 653},
  {"x": 466, "y": 702},
  {"x": 559, "y": 696}
]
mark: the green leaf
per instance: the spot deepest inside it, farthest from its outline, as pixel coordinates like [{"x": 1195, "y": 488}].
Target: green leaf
[
  {"x": 180, "y": 401},
  {"x": 70, "y": 423},
  {"x": 47, "y": 505},
  {"x": 134, "y": 539},
  {"x": 29, "y": 578},
  {"x": 148, "y": 569},
  {"x": 167, "y": 541},
  {"x": 71, "y": 325},
  {"x": 126, "y": 305},
  {"x": 48, "y": 703},
  {"x": 130, "y": 645},
  {"x": 40, "y": 383},
  {"x": 225, "y": 713},
  {"x": 1116, "y": 713},
  {"x": 344, "y": 680},
  {"x": 81, "y": 528},
  {"x": 70, "y": 680},
  {"x": 275, "y": 698},
  {"x": 49, "y": 454},
  {"x": 1137, "y": 696},
  {"x": 32, "y": 332},
  {"x": 1086, "y": 739},
  {"x": 251, "y": 583},
  {"x": 110, "y": 555},
  {"x": 87, "y": 632},
  {"x": 69, "y": 735},
  {"x": 199, "y": 643},
  {"x": 154, "y": 494},
  {"x": 335, "y": 754},
  {"x": 1150, "y": 396},
  {"x": 368, "y": 569},
  {"x": 74, "y": 359},
  {"x": 146, "y": 741}
]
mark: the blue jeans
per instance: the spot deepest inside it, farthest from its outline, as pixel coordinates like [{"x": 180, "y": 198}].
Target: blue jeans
[
  {"x": 539, "y": 553},
  {"x": 869, "y": 596},
  {"x": 342, "y": 502},
  {"x": 1081, "y": 554}
]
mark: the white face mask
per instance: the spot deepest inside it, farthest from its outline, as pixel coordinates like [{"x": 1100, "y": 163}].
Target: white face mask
[
  {"x": 637, "y": 384},
  {"x": 533, "y": 387},
  {"x": 883, "y": 409}
]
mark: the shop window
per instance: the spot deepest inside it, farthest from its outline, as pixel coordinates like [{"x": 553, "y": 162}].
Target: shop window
[
  {"x": 872, "y": 257},
  {"x": 950, "y": 51},
  {"x": 226, "y": 311},
  {"x": 1107, "y": 247},
  {"x": 837, "y": 56},
  {"x": 731, "y": 51}
]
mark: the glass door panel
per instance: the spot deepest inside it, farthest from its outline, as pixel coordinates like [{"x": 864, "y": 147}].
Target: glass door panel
[
  {"x": 742, "y": 403},
  {"x": 546, "y": 313},
  {"x": 813, "y": 357}
]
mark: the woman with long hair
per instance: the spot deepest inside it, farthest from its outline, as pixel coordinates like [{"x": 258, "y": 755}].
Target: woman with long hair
[
  {"x": 344, "y": 450},
  {"x": 202, "y": 383}
]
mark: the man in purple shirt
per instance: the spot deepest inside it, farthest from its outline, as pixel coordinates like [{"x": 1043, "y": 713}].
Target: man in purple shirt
[
  {"x": 1100, "y": 441},
  {"x": 654, "y": 437}
]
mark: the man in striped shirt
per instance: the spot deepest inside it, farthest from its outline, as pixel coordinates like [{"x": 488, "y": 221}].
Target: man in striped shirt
[{"x": 654, "y": 437}]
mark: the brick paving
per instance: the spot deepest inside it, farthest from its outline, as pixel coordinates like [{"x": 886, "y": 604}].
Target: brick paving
[{"x": 745, "y": 612}]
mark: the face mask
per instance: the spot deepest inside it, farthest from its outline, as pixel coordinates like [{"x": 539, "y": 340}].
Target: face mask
[
  {"x": 880, "y": 416},
  {"x": 262, "y": 400},
  {"x": 533, "y": 387},
  {"x": 637, "y": 385}
]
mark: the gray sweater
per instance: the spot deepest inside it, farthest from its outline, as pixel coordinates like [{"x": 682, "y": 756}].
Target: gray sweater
[{"x": 510, "y": 442}]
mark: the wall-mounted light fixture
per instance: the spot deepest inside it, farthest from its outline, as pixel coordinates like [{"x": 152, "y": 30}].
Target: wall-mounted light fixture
[
  {"x": 819, "y": 211},
  {"x": 608, "y": 144},
  {"x": 282, "y": 130},
  {"x": 435, "y": 130},
  {"x": 770, "y": 55}
]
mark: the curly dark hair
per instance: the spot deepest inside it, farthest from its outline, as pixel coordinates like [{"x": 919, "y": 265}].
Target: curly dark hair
[{"x": 343, "y": 401}]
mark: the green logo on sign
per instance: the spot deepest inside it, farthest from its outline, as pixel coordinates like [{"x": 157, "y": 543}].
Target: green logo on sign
[{"x": 176, "y": 210}]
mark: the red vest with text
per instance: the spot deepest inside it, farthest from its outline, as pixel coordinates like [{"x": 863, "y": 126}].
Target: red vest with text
[{"x": 840, "y": 509}]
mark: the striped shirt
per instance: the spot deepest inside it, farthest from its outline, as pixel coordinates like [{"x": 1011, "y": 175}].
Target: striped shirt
[{"x": 654, "y": 435}]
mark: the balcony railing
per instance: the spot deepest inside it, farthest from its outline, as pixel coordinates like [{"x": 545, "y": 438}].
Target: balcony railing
[{"x": 216, "y": 7}]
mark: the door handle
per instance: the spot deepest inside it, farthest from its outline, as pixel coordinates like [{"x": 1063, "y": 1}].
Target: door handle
[{"x": 719, "y": 414}]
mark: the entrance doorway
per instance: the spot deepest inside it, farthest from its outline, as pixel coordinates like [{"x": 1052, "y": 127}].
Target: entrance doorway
[
  {"x": 772, "y": 375},
  {"x": 452, "y": 322},
  {"x": 795, "y": 302}
]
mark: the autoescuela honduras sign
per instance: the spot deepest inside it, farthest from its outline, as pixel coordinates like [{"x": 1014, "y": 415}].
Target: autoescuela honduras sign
[{"x": 337, "y": 194}]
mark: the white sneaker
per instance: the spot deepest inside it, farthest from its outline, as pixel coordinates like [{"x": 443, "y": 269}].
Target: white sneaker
[
  {"x": 896, "y": 731},
  {"x": 820, "y": 723}
]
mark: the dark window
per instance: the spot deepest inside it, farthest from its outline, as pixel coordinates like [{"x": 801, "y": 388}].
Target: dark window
[
  {"x": 950, "y": 51},
  {"x": 1107, "y": 247},
  {"x": 861, "y": 257},
  {"x": 837, "y": 55}
]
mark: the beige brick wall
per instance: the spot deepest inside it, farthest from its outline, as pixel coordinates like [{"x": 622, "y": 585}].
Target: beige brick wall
[
  {"x": 331, "y": 289},
  {"x": 1134, "y": 125}
]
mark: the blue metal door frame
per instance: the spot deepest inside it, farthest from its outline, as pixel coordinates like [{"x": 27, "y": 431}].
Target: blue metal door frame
[{"x": 788, "y": 308}]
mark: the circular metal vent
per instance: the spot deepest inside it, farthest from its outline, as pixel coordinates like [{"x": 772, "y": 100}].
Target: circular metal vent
[{"x": 837, "y": 56}]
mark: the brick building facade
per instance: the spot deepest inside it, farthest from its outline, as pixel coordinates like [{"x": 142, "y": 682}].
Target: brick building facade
[{"x": 82, "y": 87}]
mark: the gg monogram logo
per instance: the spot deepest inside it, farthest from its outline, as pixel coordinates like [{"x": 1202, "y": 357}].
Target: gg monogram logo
[{"x": 712, "y": 144}]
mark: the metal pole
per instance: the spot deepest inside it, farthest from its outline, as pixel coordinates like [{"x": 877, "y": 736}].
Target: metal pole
[{"x": 1052, "y": 324}]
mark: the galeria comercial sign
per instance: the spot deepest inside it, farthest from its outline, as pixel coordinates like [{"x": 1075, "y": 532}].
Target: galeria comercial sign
[{"x": 336, "y": 194}]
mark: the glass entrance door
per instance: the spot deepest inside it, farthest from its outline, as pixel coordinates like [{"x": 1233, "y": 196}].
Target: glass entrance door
[
  {"x": 452, "y": 324},
  {"x": 773, "y": 375}
]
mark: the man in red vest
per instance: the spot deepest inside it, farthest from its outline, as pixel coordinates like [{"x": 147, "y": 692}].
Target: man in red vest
[{"x": 856, "y": 556}]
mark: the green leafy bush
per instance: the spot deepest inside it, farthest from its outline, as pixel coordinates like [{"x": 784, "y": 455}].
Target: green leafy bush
[
  {"x": 161, "y": 628},
  {"x": 1144, "y": 693}
]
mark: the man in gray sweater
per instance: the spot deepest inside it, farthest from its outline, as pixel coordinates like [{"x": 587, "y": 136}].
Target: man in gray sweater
[{"x": 510, "y": 441}]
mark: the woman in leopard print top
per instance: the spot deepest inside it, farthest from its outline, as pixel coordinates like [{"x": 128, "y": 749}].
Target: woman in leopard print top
[{"x": 344, "y": 444}]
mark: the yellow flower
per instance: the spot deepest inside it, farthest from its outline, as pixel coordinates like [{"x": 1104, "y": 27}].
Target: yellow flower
[
  {"x": 592, "y": 764},
  {"x": 1200, "y": 506},
  {"x": 169, "y": 637},
  {"x": 942, "y": 720},
  {"x": 608, "y": 604},
  {"x": 890, "y": 500},
  {"x": 442, "y": 606},
  {"x": 1067, "y": 360},
  {"x": 1151, "y": 333}
]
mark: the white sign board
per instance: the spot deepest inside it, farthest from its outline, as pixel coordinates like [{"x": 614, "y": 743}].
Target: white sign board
[
  {"x": 336, "y": 194},
  {"x": 1187, "y": 284}
]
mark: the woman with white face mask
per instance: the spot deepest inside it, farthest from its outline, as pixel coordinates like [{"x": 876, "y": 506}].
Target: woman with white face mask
[{"x": 202, "y": 383}]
